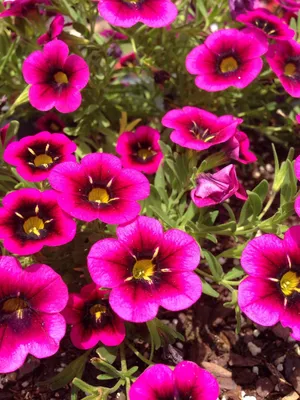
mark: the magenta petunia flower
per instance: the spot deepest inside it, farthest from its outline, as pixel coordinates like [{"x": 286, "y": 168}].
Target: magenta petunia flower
[
  {"x": 35, "y": 156},
  {"x": 22, "y": 8},
  {"x": 297, "y": 173},
  {"x": 215, "y": 188},
  {"x": 112, "y": 34},
  {"x": 56, "y": 78},
  {"x": 271, "y": 292},
  {"x": 237, "y": 148},
  {"x": 50, "y": 122},
  {"x": 99, "y": 188},
  {"x": 238, "y": 7},
  {"x": 292, "y": 5},
  {"x": 93, "y": 319},
  {"x": 146, "y": 268},
  {"x": 140, "y": 149},
  {"x": 298, "y": 118},
  {"x": 30, "y": 302},
  {"x": 3, "y": 133},
  {"x": 187, "y": 381},
  {"x": 284, "y": 59},
  {"x": 271, "y": 25},
  {"x": 30, "y": 220},
  {"x": 153, "y": 13},
  {"x": 198, "y": 129},
  {"x": 55, "y": 29},
  {"x": 227, "y": 58}
]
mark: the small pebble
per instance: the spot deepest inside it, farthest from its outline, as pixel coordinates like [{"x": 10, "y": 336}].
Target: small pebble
[
  {"x": 179, "y": 345},
  {"x": 63, "y": 365},
  {"x": 24, "y": 384},
  {"x": 174, "y": 321},
  {"x": 269, "y": 168},
  {"x": 255, "y": 370},
  {"x": 254, "y": 350},
  {"x": 59, "y": 369},
  {"x": 245, "y": 397},
  {"x": 256, "y": 174},
  {"x": 214, "y": 27},
  {"x": 256, "y": 333},
  {"x": 280, "y": 367},
  {"x": 62, "y": 354}
]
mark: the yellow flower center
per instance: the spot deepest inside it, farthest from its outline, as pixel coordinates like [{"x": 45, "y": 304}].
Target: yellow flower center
[
  {"x": 290, "y": 69},
  {"x": 99, "y": 195},
  {"x": 289, "y": 283},
  {"x": 42, "y": 160},
  {"x": 33, "y": 225},
  {"x": 14, "y": 305},
  {"x": 144, "y": 154},
  {"x": 60, "y": 78},
  {"x": 54, "y": 127},
  {"x": 97, "y": 310},
  {"x": 143, "y": 269},
  {"x": 228, "y": 64}
]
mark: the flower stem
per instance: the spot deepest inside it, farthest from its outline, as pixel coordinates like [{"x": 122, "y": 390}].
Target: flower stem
[
  {"x": 268, "y": 205},
  {"x": 124, "y": 368},
  {"x": 138, "y": 354}
]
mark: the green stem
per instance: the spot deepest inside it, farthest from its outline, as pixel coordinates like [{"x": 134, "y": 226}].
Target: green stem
[
  {"x": 204, "y": 274},
  {"x": 138, "y": 354},
  {"x": 124, "y": 368},
  {"x": 268, "y": 205}
]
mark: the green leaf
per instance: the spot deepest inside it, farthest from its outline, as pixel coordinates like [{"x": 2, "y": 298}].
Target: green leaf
[
  {"x": 152, "y": 328},
  {"x": 214, "y": 265},
  {"x": 105, "y": 377},
  {"x": 171, "y": 333},
  {"x": 85, "y": 387},
  {"x": 107, "y": 353},
  {"x": 207, "y": 289},
  {"x": 234, "y": 252},
  {"x": 262, "y": 189},
  {"x": 163, "y": 216},
  {"x": 105, "y": 367},
  {"x": 234, "y": 273},
  {"x": 251, "y": 209}
]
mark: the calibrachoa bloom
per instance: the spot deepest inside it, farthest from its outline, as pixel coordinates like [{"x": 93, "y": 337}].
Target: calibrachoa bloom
[
  {"x": 3, "y": 133},
  {"x": 56, "y": 78},
  {"x": 240, "y": 6},
  {"x": 146, "y": 268},
  {"x": 22, "y": 8},
  {"x": 153, "y": 13},
  {"x": 111, "y": 34},
  {"x": 30, "y": 220},
  {"x": 30, "y": 302},
  {"x": 227, "y": 58},
  {"x": 292, "y": 5},
  {"x": 50, "y": 122},
  {"x": 297, "y": 172},
  {"x": 55, "y": 29},
  {"x": 187, "y": 381},
  {"x": 284, "y": 59},
  {"x": 263, "y": 21},
  {"x": 271, "y": 292},
  {"x": 198, "y": 129},
  {"x": 99, "y": 188},
  {"x": 93, "y": 319},
  {"x": 237, "y": 148},
  {"x": 215, "y": 188},
  {"x": 298, "y": 118},
  {"x": 35, "y": 156},
  {"x": 140, "y": 149}
]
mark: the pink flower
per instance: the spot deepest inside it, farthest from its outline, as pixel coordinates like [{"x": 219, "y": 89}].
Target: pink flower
[
  {"x": 284, "y": 59},
  {"x": 30, "y": 302},
  {"x": 146, "y": 268},
  {"x": 263, "y": 21},
  {"x": 55, "y": 29},
  {"x": 187, "y": 381},
  {"x": 237, "y": 148},
  {"x": 298, "y": 118},
  {"x": 153, "y": 13},
  {"x": 30, "y": 220},
  {"x": 127, "y": 60},
  {"x": 3, "y": 133},
  {"x": 93, "y": 319},
  {"x": 22, "y": 8},
  {"x": 140, "y": 149},
  {"x": 198, "y": 129},
  {"x": 35, "y": 156},
  {"x": 237, "y": 7},
  {"x": 111, "y": 34},
  {"x": 50, "y": 122},
  {"x": 99, "y": 188},
  {"x": 227, "y": 58},
  {"x": 297, "y": 173},
  {"x": 271, "y": 292},
  {"x": 56, "y": 78},
  {"x": 215, "y": 188},
  {"x": 293, "y": 5}
]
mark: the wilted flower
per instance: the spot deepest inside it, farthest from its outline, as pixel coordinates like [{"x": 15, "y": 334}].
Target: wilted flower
[
  {"x": 187, "y": 381},
  {"x": 35, "y": 156},
  {"x": 227, "y": 58},
  {"x": 237, "y": 148},
  {"x": 146, "y": 268},
  {"x": 50, "y": 122},
  {"x": 22, "y": 8},
  {"x": 284, "y": 59},
  {"x": 30, "y": 302},
  {"x": 99, "y": 188},
  {"x": 93, "y": 319},
  {"x": 240, "y": 6},
  {"x": 271, "y": 292},
  {"x": 3, "y": 133},
  {"x": 112, "y": 34},
  {"x": 56, "y": 78},
  {"x": 140, "y": 149},
  {"x": 198, "y": 129},
  {"x": 55, "y": 29},
  {"x": 30, "y": 220},
  {"x": 215, "y": 188},
  {"x": 154, "y": 13}
]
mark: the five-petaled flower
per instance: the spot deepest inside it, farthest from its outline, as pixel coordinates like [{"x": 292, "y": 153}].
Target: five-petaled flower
[
  {"x": 35, "y": 156},
  {"x": 140, "y": 149},
  {"x": 198, "y": 129},
  {"x": 187, "y": 381},
  {"x": 50, "y": 122},
  {"x": 30, "y": 302},
  {"x": 30, "y": 220},
  {"x": 93, "y": 319},
  {"x": 271, "y": 292},
  {"x": 147, "y": 268},
  {"x": 227, "y": 58},
  {"x": 55, "y": 77},
  {"x": 99, "y": 188}
]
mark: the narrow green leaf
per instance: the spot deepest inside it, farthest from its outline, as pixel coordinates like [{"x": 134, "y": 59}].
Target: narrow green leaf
[
  {"x": 207, "y": 289},
  {"x": 107, "y": 353},
  {"x": 214, "y": 265},
  {"x": 262, "y": 189},
  {"x": 234, "y": 273}
]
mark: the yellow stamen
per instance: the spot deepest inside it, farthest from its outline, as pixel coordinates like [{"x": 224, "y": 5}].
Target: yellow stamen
[
  {"x": 97, "y": 310},
  {"x": 99, "y": 195},
  {"x": 290, "y": 69},
  {"x": 144, "y": 154},
  {"x": 60, "y": 78},
  {"x": 33, "y": 225},
  {"x": 31, "y": 151},
  {"x": 143, "y": 269},
  {"x": 43, "y": 160},
  {"x": 289, "y": 283},
  {"x": 14, "y": 305},
  {"x": 228, "y": 64}
]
